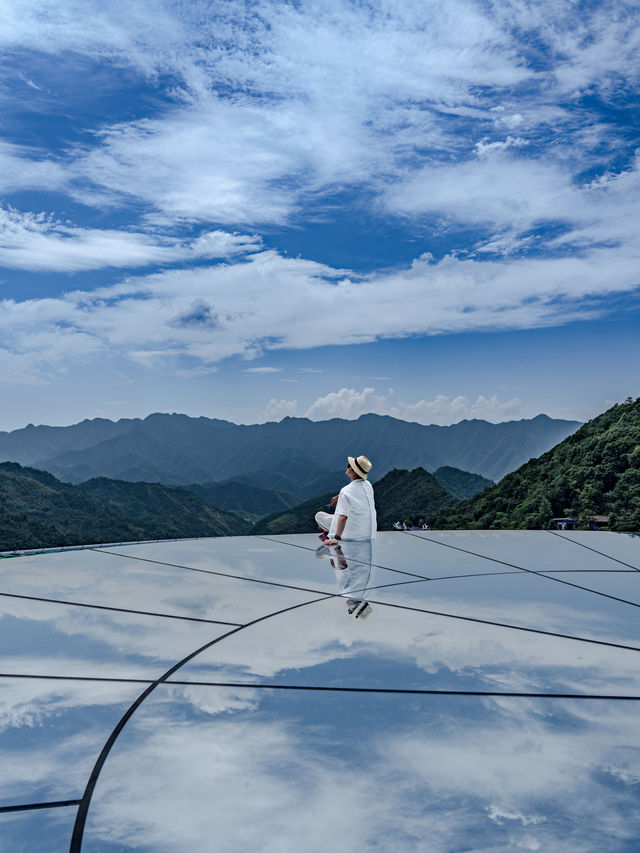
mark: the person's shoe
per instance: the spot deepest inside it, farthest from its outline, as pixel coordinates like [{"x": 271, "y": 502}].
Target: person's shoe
[{"x": 362, "y": 611}]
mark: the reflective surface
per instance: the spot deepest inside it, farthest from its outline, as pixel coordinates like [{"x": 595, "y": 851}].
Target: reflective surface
[{"x": 250, "y": 752}]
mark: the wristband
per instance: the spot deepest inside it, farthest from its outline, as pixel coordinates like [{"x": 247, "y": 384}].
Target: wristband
[{"x": 339, "y": 538}]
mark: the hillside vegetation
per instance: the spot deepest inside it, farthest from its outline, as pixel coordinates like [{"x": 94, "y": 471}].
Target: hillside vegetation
[
  {"x": 595, "y": 471},
  {"x": 242, "y": 499},
  {"x": 38, "y": 511},
  {"x": 461, "y": 484},
  {"x": 400, "y": 496}
]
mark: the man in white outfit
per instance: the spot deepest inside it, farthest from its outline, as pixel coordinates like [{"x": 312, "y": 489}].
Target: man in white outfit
[{"x": 355, "y": 514}]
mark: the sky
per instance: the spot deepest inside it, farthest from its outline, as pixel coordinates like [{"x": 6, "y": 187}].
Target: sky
[{"x": 319, "y": 208}]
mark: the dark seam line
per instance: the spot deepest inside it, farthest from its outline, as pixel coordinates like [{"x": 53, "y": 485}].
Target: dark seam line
[
  {"x": 588, "y": 571},
  {"x": 258, "y": 580},
  {"x": 115, "y": 609},
  {"x": 220, "y": 574},
  {"x": 447, "y": 577},
  {"x": 507, "y": 625},
  {"x": 29, "y": 806},
  {"x": 419, "y": 691},
  {"x": 528, "y": 571},
  {"x": 373, "y": 565},
  {"x": 235, "y": 624},
  {"x": 418, "y": 578},
  {"x": 500, "y": 574},
  {"x": 595, "y": 550},
  {"x": 97, "y": 678},
  {"x": 403, "y": 690},
  {"x": 83, "y": 808},
  {"x": 473, "y": 619}
]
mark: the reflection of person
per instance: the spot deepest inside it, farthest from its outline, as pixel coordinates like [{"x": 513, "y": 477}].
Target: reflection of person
[
  {"x": 355, "y": 513},
  {"x": 352, "y": 563}
]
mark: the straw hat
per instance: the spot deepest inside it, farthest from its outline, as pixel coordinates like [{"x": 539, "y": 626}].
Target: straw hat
[{"x": 361, "y": 466}]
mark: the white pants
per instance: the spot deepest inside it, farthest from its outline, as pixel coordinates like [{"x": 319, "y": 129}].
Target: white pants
[{"x": 324, "y": 519}]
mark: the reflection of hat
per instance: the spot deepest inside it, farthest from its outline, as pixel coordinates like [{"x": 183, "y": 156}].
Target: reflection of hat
[{"x": 361, "y": 465}]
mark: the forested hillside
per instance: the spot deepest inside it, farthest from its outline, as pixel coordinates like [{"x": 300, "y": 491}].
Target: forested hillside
[
  {"x": 242, "y": 498},
  {"x": 595, "y": 471},
  {"x": 38, "y": 511},
  {"x": 461, "y": 484},
  {"x": 400, "y": 496},
  {"x": 408, "y": 496}
]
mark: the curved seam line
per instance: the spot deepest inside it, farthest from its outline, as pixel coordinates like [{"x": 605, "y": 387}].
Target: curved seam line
[{"x": 83, "y": 808}]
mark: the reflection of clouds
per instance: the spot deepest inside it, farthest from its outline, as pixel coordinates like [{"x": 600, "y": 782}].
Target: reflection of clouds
[
  {"x": 296, "y": 642},
  {"x": 52, "y": 733},
  {"x": 228, "y": 785},
  {"x": 30, "y": 703},
  {"x": 98, "y": 636},
  {"x": 122, "y": 582},
  {"x": 418, "y": 778},
  {"x": 543, "y": 771}
]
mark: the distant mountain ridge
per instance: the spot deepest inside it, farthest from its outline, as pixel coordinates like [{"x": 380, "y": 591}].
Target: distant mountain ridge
[{"x": 295, "y": 455}]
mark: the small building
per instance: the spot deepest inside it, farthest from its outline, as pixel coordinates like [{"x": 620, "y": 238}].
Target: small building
[
  {"x": 564, "y": 523},
  {"x": 591, "y": 522},
  {"x": 597, "y": 522}
]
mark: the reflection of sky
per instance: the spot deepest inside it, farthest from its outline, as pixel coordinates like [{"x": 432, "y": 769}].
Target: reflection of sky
[
  {"x": 279, "y": 770},
  {"x": 350, "y": 773}
]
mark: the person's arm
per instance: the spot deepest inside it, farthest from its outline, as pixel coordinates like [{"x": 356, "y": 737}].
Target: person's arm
[{"x": 342, "y": 520}]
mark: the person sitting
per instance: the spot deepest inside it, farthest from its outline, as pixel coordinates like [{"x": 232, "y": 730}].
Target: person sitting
[{"x": 355, "y": 513}]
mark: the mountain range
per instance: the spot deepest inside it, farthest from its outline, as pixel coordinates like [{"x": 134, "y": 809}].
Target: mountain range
[
  {"x": 593, "y": 472},
  {"x": 297, "y": 456}
]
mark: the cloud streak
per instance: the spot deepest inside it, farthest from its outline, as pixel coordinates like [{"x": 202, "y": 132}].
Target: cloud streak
[
  {"x": 37, "y": 243},
  {"x": 269, "y": 302}
]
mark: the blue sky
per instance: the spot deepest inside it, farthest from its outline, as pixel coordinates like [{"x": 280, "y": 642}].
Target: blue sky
[{"x": 248, "y": 211}]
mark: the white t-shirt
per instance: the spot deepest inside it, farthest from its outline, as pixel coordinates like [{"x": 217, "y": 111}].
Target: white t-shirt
[{"x": 356, "y": 502}]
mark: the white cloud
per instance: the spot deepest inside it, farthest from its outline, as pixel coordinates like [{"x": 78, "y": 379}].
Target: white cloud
[
  {"x": 486, "y": 147},
  {"x": 22, "y": 168},
  {"x": 378, "y": 87},
  {"x": 38, "y": 243},
  {"x": 442, "y": 112},
  {"x": 349, "y": 403},
  {"x": 278, "y": 409},
  {"x": 513, "y": 194},
  {"x": 346, "y": 403},
  {"x": 197, "y": 317},
  {"x": 262, "y": 370},
  {"x": 445, "y": 410}
]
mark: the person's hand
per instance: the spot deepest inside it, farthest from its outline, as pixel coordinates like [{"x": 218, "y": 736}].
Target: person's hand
[
  {"x": 334, "y": 500},
  {"x": 331, "y": 542}
]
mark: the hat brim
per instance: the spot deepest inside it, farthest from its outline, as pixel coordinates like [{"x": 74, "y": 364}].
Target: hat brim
[{"x": 355, "y": 467}]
